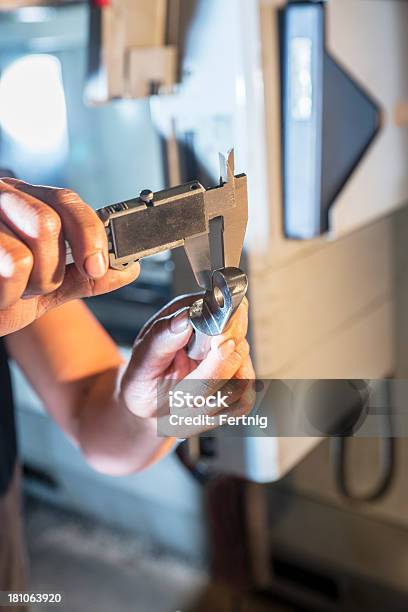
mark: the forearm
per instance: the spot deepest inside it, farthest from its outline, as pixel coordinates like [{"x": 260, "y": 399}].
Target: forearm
[
  {"x": 112, "y": 439},
  {"x": 74, "y": 367}
]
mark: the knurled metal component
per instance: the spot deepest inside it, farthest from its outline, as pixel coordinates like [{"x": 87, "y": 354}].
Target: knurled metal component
[{"x": 114, "y": 208}]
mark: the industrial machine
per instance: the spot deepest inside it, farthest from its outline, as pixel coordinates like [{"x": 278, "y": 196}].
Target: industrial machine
[{"x": 313, "y": 96}]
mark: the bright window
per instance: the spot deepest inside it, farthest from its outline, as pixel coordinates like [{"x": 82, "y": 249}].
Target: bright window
[{"x": 32, "y": 103}]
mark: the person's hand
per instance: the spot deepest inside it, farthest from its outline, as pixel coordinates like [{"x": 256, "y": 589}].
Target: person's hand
[
  {"x": 35, "y": 221},
  {"x": 159, "y": 355}
]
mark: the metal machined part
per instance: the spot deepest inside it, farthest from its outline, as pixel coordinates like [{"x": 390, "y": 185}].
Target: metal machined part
[{"x": 211, "y": 314}]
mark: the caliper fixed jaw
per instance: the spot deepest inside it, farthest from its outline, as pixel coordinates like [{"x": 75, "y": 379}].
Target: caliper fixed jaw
[{"x": 226, "y": 207}]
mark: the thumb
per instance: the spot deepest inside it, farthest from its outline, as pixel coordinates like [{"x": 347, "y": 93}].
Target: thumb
[
  {"x": 153, "y": 353},
  {"x": 76, "y": 285}
]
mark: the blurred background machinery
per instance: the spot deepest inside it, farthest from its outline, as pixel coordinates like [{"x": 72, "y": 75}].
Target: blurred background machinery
[{"x": 124, "y": 95}]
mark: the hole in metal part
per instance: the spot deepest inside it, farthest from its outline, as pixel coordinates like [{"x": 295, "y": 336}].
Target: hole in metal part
[{"x": 219, "y": 298}]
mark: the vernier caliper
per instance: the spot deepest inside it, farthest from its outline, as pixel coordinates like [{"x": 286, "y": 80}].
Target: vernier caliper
[{"x": 209, "y": 223}]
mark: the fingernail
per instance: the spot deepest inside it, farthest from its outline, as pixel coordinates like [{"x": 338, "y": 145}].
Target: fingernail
[
  {"x": 95, "y": 265},
  {"x": 226, "y": 348},
  {"x": 180, "y": 322}
]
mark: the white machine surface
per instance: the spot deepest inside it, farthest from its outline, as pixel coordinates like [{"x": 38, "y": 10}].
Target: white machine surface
[{"x": 321, "y": 308}]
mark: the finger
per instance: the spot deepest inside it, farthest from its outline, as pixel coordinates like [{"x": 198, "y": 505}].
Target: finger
[
  {"x": 170, "y": 308},
  {"x": 237, "y": 328},
  {"x": 234, "y": 388},
  {"x": 222, "y": 362},
  {"x": 246, "y": 370},
  {"x": 208, "y": 420},
  {"x": 82, "y": 227},
  {"x": 16, "y": 262},
  {"x": 242, "y": 406},
  {"x": 219, "y": 366},
  {"x": 154, "y": 353},
  {"x": 180, "y": 367},
  {"x": 76, "y": 285},
  {"x": 39, "y": 227},
  {"x": 229, "y": 393}
]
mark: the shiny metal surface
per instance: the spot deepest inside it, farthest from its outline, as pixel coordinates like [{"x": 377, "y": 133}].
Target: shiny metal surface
[{"x": 211, "y": 314}]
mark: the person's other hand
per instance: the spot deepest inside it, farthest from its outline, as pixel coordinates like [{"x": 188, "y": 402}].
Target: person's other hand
[
  {"x": 159, "y": 355},
  {"x": 35, "y": 221}
]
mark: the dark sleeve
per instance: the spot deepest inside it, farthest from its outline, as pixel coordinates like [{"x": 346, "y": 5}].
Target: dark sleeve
[{"x": 8, "y": 443}]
